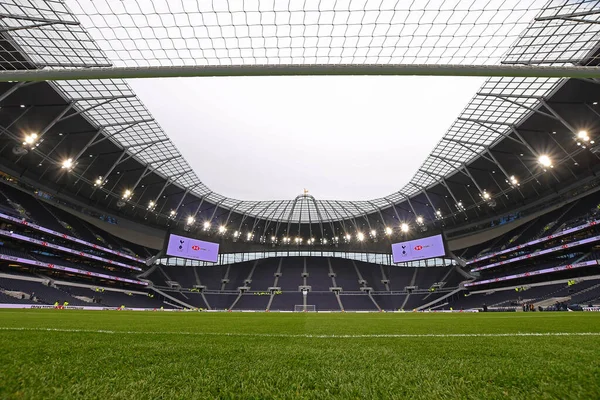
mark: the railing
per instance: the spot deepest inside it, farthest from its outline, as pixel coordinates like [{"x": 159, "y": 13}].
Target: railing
[
  {"x": 534, "y": 273},
  {"x": 70, "y": 238},
  {"x": 65, "y": 249},
  {"x": 69, "y": 269},
  {"x": 540, "y": 253},
  {"x": 536, "y": 241}
]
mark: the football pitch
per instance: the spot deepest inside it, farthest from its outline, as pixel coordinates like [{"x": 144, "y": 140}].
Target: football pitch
[{"x": 64, "y": 354}]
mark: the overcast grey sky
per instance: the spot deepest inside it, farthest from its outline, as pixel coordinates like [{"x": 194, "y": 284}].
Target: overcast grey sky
[{"x": 345, "y": 138}]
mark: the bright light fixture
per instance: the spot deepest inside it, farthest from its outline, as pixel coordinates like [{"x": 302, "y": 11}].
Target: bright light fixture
[
  {"x": 249, "y": 236},
  {"x": 236, "y": 234},
  {"x": 348, "y": 237},
  {"x": 206, "y": 225},
  {"x": 404, "y": 228},
  {"x": 273, "y": 238},
  {"x": 360, "y": 236},
  {"x": 373, "y": 233},
  {"x": 222, "y": 229},
  {"x": 190, "y": 220},
  {"x": 545, "y": 160},
  {"x": 485, "y": 195},
  {"x": 582, "y": 134},
  {"x": 151, "y": 204},
  {"x": 30, "y": 139},
  {"x": 98, "y": 181},
  {"x": 324, "y": 241},
  {"x": 388, "y": 230},
  {"x": 68, "y": 163},
  {"x": 420, "y": 220},
  {"x": 127, "y": 194},
  {"x": 513, "y": 181},
  {"x": 172, "y": 213}
]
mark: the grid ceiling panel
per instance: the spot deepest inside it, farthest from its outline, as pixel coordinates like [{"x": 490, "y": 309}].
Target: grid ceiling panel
[{"x": 182, "y": 32}]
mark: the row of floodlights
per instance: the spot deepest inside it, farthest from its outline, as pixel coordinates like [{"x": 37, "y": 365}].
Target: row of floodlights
[
  {"x": 582, "y": 137},
  {"x": 359, "y": 236}
]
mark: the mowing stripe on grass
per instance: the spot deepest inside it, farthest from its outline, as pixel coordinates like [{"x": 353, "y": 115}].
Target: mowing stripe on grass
[{"x": 306, "y": 335}]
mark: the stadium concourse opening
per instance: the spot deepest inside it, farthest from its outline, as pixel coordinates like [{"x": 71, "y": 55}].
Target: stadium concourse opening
[{"x": 129, "y": 272}]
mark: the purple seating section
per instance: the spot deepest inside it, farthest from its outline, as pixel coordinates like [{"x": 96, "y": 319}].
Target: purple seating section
[
  {"x": 263, "y": 276},
  {"x": 220, "y": 301},
  {"x": 238, "y": 273},
  {"x": 345, "y": 274},
  {"x": 45, "y": 294},
  {"x": 358, "y": 302},
  {"x": 318, "y": 274},
  {"x": 48, "y": 216},
  {"x": 323, "y": 301},
  {"x": 568, "y": 216},
  {"x": 252, "y": 302},
  {"x": 389, "y": 302},
  {"x": 286, "y": 301},
  {"x": 580, "y": 293},
  {"x": 291, "y": 277}
]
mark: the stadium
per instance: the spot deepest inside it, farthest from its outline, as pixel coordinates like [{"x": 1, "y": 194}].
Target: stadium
[{"x": 317, "y": 199}]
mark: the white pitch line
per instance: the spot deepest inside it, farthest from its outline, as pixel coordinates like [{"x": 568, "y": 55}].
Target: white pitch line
[{"x": 307, "y": 335}]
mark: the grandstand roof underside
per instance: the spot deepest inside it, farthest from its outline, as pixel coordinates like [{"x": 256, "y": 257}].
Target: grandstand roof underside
[{"x": 105, "y": 128}]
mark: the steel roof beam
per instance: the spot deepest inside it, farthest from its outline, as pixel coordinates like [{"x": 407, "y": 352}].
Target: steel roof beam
[
  {"x": 54, "y": 121},
  {"x": 535, "y": 110},
  {"x": 84, "y": 110},
  {"x": 11, "y": 90},
  {"x": 107, "y": 71},
  {"x": 569, "y": 15},
  {"x": 38, "y": 19},
  {"x": 558, "y": 117}
]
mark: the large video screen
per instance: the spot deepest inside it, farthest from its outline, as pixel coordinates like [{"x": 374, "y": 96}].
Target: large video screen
[
  {"x": 194, "y": 249},
  {"x": 419, "y": 249}
]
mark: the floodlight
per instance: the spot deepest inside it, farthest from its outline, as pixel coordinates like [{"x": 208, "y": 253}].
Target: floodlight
[
  {"x": 172, "y": 213},
  {"x": 348, "y": 237},
  {"x": 127, "y": 194},
  {"x": 68, "y": 163},
  {"x": 404, "y": 227},
  {"x": 98, "y": 182},
  {"x": 360, "y": 236},
  {"x": 324, "y": 241},
  {"x": 236, "y": 234},
  {"x": 485, "y": 195},
  {"x": 151, "y": 205},
  {"x": 388, "y": 230},
  {"x": 190, "y": 220},
  {"x": 420, "y": 220},
  {"x": 273, "y": 238},
  {"x": 30, "y": 139},
  {"x": 582, "y": 134},
  {"x": 513, "y": 181},
  {"x": 545, "y": 160},
  {"x": 206, "y": 225},
  {"x": 222, "y": 229}
]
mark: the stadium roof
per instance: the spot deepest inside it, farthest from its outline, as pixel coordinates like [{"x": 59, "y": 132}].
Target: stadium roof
[{"x": 89, "y": 34}]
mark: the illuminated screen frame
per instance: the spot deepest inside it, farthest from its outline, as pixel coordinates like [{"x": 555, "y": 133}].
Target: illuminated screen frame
[
  {"x": 191, "y": 249},
  {"x": 436, "y": 242}
]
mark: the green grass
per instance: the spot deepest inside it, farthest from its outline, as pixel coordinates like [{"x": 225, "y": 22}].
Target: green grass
[{"x": 155, "y": 361}]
